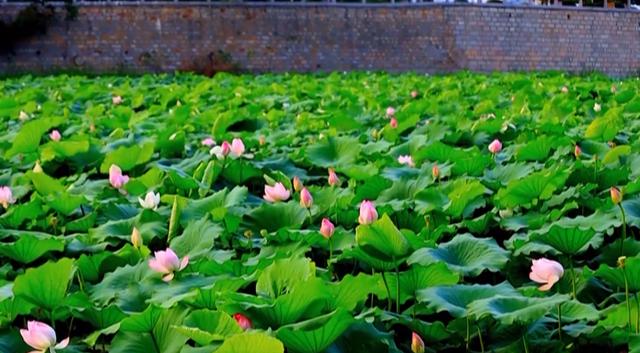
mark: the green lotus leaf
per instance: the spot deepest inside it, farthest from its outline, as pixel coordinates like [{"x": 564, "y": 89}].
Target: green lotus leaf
[
  {"x": 45, "y": 286},
  {"x": 273, "y": 216},
  {"x": 509, "y": 310},
  {"x": 573, "y": 310},
  {"x": 197, "y": 238},
  {"x": 569, "y": 241},
  {"x": 353, "y": 290},
  {"x": 382, "y": 240},
  {"x": 334, "y": 152},
  {"x": 616, "y": 153},
  {"x": 205, "y": 326},
  {"x": 28, "y": 138},
  {"x": 282, "y": 275},
  {"x": 29, "y": 248},
  {"x": 455, "y": 299},
  {"x": 315, "y": 335},
  {"x": 464, "y": 254},
  {"x": 462, "y": 196},
  {"x": 615, "y": 276},
  {"x": 418, "y": 278},
  {"x": 151, "y": 331},
  {"x": 127, "y": 157},
  {"x": 536, "y": 186},
  {"x": 16, "y": 215},
  {"x": 251, "y": 342}
]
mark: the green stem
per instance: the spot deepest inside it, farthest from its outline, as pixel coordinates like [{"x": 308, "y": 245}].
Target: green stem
[
  {"x": 53, "y": 320},
  {"x": 524, "y": 343},
  {"x": 386, "y": 286},
  {"x": 595, "y": 170},
  {"x": 329, "y": 262},
  {"x": 397, "y": 289},
  {"x": 466, "y": 340},
  {"x": 373, "y": 272},
  {"x": 480, "y": 339},
  {"x": 560, "y": 322},
  {"x": 626, "y": 295},
  {"x": 637, "y": 313},
  {"x": 624, "y": 229},
  {"x": 573, "y": 278}
]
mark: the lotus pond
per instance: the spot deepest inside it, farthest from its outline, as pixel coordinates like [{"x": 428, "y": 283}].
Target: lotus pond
[{"x": 331, "y": 213}]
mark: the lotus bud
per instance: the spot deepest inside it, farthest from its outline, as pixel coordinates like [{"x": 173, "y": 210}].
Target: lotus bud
[
  {"x": 262, "y": 140},
  {"x": 621, "y": 261},
  {"x": 417, "y": 344},
  {"x": 393, "y": 123},
  {"x": 306, "y": 200},
  {"x": 435, "y": 172},
  {"x": 391, "y": 111},
  {"x": 55, "y": 135},
  {"x": 327, "y": 228},
  {"x": 333, "y": 178},
  {"x": 616, "y": 195},
  {"x": 243, "y": 321},
  {"x": 297, "y": 184},
  {"x": 495, "y": 146},
  {"x": 577, "y": 151},
  {"x": 208, "y": 142},
  {"x": 23, "y": 116},
  {"x": 136, "y": 238},
  {"x": 597, "y": 107},
  {"x": 236, "y": 148},
  {"x": 37, "y": 168},
  {"x": 150, "y": 201},
  {"x": 116, "y": 100},
  {"x": 414, "y": 94},
  {"x": 368, "y": 212},
  {"x": 263, "y": 233},
  {"x": 565, "y": 89}
]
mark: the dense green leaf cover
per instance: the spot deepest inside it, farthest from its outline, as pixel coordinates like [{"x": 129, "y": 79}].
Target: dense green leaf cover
[{"x": 448, "y": 256}]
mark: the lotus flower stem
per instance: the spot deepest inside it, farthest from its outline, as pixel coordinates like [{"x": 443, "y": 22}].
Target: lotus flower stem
[
  {"x": 573, "y": 279},
  {"x": 524, "y": 343},
  {"x": 467, "y": 339},
  {"x": 637, "y": 313},
  {"x": 397, "y": 289},
  {"x": 560, "y": 322},
  {"x": 624, "y": 229},
  {"x": 310, "y": 217},
  {"x": 329, "y": 262},
  {"x": 626, "y": 295},
  {"x": 480, "y": 339},
  {"x": 386, "y": 286}
]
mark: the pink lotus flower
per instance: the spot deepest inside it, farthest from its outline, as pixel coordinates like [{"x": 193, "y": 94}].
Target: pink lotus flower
[
  {"x": 391, "y": 111},
  {"x": 237, "y": 148},
  {"x": 222, "y": 151},
  {"x": 297, "y": 184},
  {"x": 327, "y": 228},
  {"x": 577, "y": 151},
  {"x": 333, "y": 177},
  {"x": 6, "y": 196},
  {"x": 55, "y": 135},
  {"x": 368, "y": 213},
  {"x": 616, "y": 195},
  {"x": 116, "y": 100},
  {"x": 276, "y": 193},
  {"x": 393, "y": 123},
  {"x": 414, "y": 94},
  {"x": 116, "y": 178},
  {"x": 42, "y": 337},
  {"x": 150, "y": 201},
  {"x": 243, "y": 321},
  {"x": 208, "y": 142},
  {"x": 495, "y": 146},
  {"x": 417, "y": 344},
  {"x": 167, "y": 263},
  {"x": 435, "y": 172},
  {"x": 547, "y": 272},
  {"x": 306, "y": 200},
  {"x": 406, "y": 160}
]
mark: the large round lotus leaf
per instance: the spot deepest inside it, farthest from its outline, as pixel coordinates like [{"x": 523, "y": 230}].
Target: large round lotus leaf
[
  {"x": 382, "y": 240},
  {"x": 456, "y": 299},
  {"x": 251, "y": 342},
  {"x": 570, "y": 241},
  {"x": 615, "y": 276},
  {"x": 315, "y": 335},
  {"x": 465, "y": 254},
  {"x": 509, "y": 310}
]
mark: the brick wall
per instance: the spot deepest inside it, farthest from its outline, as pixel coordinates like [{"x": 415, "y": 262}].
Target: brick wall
[{"x": 298, "y": 37}]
